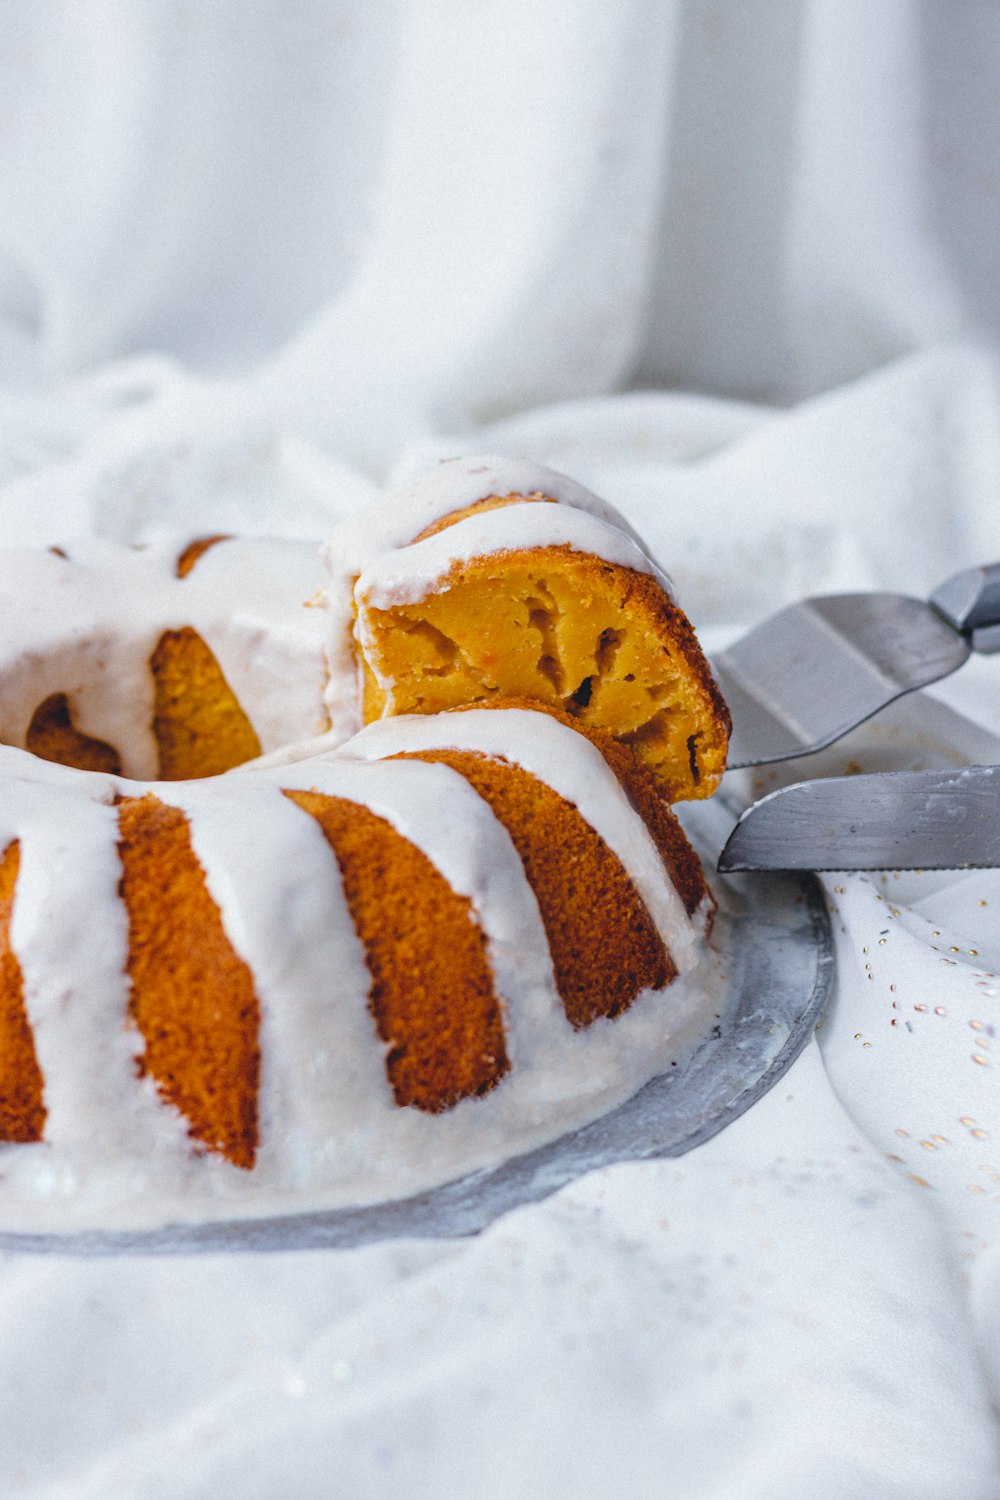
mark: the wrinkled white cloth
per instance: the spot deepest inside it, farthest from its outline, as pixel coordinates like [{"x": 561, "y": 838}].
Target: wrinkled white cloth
[{"x": 733, "y": 265}]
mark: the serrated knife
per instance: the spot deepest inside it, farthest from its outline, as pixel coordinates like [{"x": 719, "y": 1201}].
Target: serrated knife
[
  {"x": 896, "y": 820},
  {"x": 812, "y": 672}
]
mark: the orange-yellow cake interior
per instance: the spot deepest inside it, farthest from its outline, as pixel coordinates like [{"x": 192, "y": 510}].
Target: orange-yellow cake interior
[
  {"x": 600, "y": 641},
  {"x": 199, "y": 724}
]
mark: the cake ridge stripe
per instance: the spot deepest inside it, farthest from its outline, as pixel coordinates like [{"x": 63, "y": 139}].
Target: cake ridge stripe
[
  {"x": 197, "y": 1011},
  {"x": 52, "y": 735},
  {"x": 602, "y": 960},
  {"x": 22, "y": 1107},
  {"x": 644, "y": 796},
  {"x": 195, "y": 551},
  {"x": 411, "y": 506},
  {"x": 287, "y": 919},
  {"x": 70, "y": 936},
  {"x": 432, "y": 996},
  {"x": 478, "y": 507}
]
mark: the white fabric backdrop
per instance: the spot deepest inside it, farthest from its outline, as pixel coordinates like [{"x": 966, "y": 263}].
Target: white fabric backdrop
[{"x": 734, "y": 263}]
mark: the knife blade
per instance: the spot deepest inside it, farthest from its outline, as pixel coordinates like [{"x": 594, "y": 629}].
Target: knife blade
[
  {"x": 897, "y": 820},
  {"x": 809, "y": 674}
]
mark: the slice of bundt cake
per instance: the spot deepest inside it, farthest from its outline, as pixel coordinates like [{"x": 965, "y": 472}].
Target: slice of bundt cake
[{"x": 489, "y": 577}]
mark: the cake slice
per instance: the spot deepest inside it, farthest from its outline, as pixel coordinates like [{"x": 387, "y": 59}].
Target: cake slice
[{"x": 490, "y": 578}]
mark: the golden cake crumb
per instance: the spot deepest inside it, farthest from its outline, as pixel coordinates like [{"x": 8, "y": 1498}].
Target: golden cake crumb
[{"x": 601, "y": 641}]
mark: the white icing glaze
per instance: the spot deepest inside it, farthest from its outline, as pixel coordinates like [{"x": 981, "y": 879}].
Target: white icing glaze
[
  {"x": 409, "y": 508},
  {"x": 405, "y": 574},
  {"x": 87, "y": 624},
  {"x": 370, "y": 557}
]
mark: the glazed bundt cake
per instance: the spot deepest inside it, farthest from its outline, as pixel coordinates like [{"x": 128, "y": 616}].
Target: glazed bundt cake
[
  {"x": 343, "y": 971},
  {"x": 490, "y": 577}
]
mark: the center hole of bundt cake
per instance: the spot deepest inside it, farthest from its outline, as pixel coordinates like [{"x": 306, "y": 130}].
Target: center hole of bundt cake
[{"x": 198, "y": 725}]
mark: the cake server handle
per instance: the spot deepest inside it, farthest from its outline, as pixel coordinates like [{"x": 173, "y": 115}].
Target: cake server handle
[{"x": 970, "y": 602}]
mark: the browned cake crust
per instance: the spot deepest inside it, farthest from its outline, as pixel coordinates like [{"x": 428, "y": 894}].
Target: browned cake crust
[
  {"x": 604, "y": 952},
  {"x": 192, "y": 1000},
  {"x": 199, "y": 725},
  {"x": 22, "y": 1110},
  {"x": 52, "y": 735},
  {"x": 196, "y": 550},
  {"x": 432, "y": 993},
  {"x": 646, "y": 795},
  {"x": 645, "y": 592},
  {"x": 488, "y": 502}
]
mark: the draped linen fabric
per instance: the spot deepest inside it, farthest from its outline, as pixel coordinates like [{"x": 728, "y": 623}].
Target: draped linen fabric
[{"x": 735, "y": 264}]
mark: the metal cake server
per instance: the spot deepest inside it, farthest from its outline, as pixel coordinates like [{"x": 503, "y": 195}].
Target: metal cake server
[
  {"x": 896, "y": 820},
  {"x": 815, "y": 670}
]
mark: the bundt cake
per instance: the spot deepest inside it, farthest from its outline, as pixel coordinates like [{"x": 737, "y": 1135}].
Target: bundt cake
[
  {"x": 343, "y": 970},
  {"x": 490, "y": 577}
]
